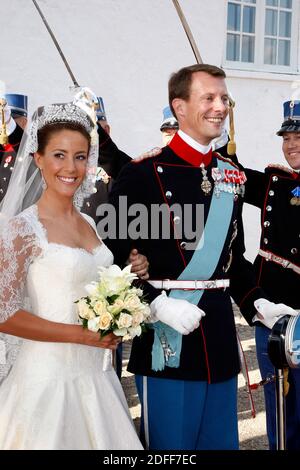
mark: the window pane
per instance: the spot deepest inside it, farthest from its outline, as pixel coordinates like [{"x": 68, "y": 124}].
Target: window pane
[
  {"x": 272, "y": 3},
  {"x": 250, "y": 1},
  {"x": 270, "y": 51},
  {"x": 248, "y": 49},
  {"x": 285, "y": 24},
  {"x": 233, "y": 47},
  {"x": 284, "y": 52},
  {"x": 286, "y": 4},
  {"x": 249, "y": 20},
  {"x": 271, "y": 23},
  {"x": 234, "y": 17}
]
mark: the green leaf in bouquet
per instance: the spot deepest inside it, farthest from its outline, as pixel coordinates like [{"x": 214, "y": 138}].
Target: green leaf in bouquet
[
  {"x": 112, "y": 298},
  {"x": 125, "y": 311},
  {"x": 105, "y": 332},
  {"x": 145, "y": 327}
]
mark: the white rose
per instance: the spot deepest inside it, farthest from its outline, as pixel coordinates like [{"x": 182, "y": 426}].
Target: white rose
[
  {"x": 85, "y": 310},
  {"x": 93, "y": 324},
  {"x": 91, "y": 288},
  {"x": 125, "y": 320},
  {"x": 100, "y": 307},
  {"x": 137, "y": 291},
  {"x": 135, "y": 331},
  {"x": 105, "y": 321},
  {"x": 132, "y": 303},
  {"x": 137, "y": 318},
  {"x": 120, "y": 332},
  {"x": 116, "y": 307},
  {"x": 146, "y": 310}
]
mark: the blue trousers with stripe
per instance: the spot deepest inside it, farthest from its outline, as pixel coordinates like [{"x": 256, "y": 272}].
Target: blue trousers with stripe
[{"x": 188, "y": 415}]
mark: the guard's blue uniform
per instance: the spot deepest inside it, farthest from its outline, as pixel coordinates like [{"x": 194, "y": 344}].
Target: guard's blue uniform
[{"x": 272, "y": 192}]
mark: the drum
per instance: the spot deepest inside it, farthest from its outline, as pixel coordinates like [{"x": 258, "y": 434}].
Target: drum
[{"x": 284, "y": 342}]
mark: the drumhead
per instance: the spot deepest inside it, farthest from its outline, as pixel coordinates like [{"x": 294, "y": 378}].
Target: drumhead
[
  {"x": 276, "y": 343},
  {"x": 292, "y": 342}
]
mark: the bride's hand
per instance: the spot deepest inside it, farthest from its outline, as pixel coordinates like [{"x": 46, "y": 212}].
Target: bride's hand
[
  {"x": 140, "y": 264},
  {"x": 90, "y": 338}
]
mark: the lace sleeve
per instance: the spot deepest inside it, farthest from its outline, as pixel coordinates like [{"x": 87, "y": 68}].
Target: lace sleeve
[{"x": 19, "y": 245}]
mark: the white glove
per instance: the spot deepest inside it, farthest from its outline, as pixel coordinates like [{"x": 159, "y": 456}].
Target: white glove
[
  {"x": 268, "y": 313},
  {"x": 179, "y": 314},
  {"x": 10, "y": 123}
]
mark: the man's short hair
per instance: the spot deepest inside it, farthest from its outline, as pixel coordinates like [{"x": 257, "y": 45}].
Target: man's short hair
[{"x": 180, "y": 82}]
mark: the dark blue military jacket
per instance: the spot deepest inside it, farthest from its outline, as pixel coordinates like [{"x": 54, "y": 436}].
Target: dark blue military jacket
[
  {"x": 112, "y": 160},
  {"x": 210, "y": 352},
  {"x": 271, "y": 191}
]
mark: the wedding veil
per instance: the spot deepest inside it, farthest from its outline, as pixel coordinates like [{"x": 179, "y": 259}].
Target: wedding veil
[{"x": 25, "y": 186}]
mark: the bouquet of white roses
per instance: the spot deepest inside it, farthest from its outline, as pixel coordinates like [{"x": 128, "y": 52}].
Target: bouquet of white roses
[{"x": 113, "y": 305}]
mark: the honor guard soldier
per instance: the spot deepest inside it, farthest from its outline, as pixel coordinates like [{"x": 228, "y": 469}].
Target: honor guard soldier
[
  {"x": 276, "y": 192},
  {"x": 111, "y": 160},
  {"x": 15, "y": 116},
  {"x": 169, "y": 126},
  {"x": 186, "y": 363}
]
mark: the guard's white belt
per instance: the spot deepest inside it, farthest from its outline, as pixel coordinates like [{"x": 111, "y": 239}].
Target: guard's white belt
[
  {"x": 168, "y": 284},
  {"x": 277, "y": 259}
]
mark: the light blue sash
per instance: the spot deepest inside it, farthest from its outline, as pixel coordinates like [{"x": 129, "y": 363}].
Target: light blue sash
[{"x": 201, "y": 266}]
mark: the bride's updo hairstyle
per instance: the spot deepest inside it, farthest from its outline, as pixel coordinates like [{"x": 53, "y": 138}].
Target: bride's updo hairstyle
[{"x": 45, "y": 133}]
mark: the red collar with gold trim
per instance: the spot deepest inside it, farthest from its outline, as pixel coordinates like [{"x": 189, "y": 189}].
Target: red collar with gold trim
[{"x": 188, "y": 153}]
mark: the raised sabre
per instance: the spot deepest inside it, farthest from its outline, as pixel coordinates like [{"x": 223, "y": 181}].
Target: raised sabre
[
  {"x": 188, "y": 32},
  {"x": 231, "y": 146},
  {"x": 56, "y": 44}
]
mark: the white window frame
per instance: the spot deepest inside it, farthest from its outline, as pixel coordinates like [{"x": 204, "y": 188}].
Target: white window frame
[{"x": 258, "y": 64}]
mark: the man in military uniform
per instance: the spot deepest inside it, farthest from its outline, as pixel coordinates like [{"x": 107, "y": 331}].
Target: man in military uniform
[
  {"x": 277, "y": 193},
  {"x": 111, "y": 161},
  {"x": 15, "y": 116},
  {"x": 186, "y": 364}
]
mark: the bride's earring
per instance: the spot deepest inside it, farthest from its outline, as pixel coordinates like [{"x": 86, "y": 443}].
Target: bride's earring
[{"x": 44, "y": 184}]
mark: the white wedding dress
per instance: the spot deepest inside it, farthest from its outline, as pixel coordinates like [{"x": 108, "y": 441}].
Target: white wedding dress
[{"x": 57, "y": 395}]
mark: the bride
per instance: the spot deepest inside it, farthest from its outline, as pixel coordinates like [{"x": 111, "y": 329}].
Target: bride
[{"x": 61, "y": 392}]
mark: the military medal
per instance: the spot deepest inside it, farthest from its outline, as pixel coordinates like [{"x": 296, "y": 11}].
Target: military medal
[
  {"x": 217, "y": 177},
  {"x": 295, "y": 201},
  {"x": 7, "y": 161},
  {"x": 206, "y": 184},
  {"x": 234, "y": 181}
]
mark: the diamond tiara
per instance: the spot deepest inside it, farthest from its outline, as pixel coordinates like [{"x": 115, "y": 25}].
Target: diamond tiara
[{"x": 65, "y": 112}]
